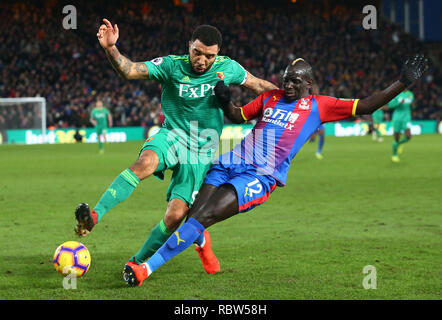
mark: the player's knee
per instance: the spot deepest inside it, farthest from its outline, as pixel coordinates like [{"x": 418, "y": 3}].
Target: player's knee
[
  {"x": 176, "y": 211},
  {"x": 173, "y": 219},
  {"x": 145, "y": 165}
]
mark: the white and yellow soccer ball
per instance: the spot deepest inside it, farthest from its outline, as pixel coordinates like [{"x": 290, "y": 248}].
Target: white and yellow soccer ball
[{"x": 72, "y": 258}]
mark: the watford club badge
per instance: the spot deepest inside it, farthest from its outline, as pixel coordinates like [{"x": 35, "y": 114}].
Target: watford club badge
[{"x": 220, "y": 74}]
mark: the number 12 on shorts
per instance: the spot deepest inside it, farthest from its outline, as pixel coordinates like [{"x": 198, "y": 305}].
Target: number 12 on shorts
[{"x": 253, "y": 187}]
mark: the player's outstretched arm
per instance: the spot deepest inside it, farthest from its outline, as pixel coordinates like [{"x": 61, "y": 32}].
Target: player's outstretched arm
[
  {"x": 412, "y": 70},
  {"x": 257, "y": 85},
  {"x": 233, "y": 113},
  {"x": 108, "y": 36}
]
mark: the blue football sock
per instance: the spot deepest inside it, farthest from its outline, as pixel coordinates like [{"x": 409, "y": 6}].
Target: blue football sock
[
  {"x": 200, "y": 240},
  {"x": 179, "y": 241},
  {"x": 320, "y": 144}
]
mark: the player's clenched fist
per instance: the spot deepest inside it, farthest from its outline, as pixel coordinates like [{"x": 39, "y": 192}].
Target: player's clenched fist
[{"x": 107, "y": 35}]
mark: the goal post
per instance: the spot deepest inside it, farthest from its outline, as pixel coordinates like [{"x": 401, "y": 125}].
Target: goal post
[{"x": 24, "y": 113}]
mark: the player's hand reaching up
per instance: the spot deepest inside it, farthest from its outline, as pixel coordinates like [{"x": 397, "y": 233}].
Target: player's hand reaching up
[
  {"x": 413, "y": 69},
  {"x": 107, "y": 35}
]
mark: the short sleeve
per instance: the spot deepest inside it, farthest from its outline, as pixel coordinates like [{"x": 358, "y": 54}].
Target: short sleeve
[
  {"x": 238, "y": 73},
  {"x": 335, "y": 109},
  {"x": 253, "y": 109},
  {"x": 160, "y": 69}
]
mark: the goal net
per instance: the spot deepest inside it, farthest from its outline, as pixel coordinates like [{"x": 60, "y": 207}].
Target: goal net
[{"x": 24, "y": 114}]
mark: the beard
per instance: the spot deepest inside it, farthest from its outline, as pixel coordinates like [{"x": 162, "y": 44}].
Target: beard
[{"x": 199, "y": 72}]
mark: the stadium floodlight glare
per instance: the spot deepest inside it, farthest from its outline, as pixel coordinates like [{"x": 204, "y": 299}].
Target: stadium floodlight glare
[{"x": 25, "y": 113}]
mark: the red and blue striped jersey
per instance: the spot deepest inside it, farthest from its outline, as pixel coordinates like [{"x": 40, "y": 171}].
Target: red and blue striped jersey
[{"x": 284, "y": 127}]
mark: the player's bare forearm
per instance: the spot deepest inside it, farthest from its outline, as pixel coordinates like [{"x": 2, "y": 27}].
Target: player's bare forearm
[
  {"x": 257, "y": 85},
  {"x": 412, "y": 70},
  {"x": 379, "y": 99},
  {"x": 264, "y": 86},
  {"x": 233, "y": 113},
  {"x": 125, "y": 67},
  {"x": 120, "y": 63}
]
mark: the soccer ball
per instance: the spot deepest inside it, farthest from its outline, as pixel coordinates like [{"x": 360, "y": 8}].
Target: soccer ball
[{"x": 72, "y": 258}]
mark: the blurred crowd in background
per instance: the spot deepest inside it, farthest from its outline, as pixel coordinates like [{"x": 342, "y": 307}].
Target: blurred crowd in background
[{"x": 69, "y": 68}]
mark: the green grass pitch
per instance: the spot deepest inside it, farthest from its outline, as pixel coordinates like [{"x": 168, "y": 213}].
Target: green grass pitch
[{"x": 311, "y": 240}]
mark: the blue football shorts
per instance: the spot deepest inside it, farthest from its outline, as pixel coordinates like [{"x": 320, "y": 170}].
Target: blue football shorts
[{"x": 253, "y": 187}]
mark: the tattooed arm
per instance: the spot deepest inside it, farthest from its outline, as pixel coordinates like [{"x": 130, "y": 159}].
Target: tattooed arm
[
  {"x": 108, "y": 36},
  {"x": 125, "y": 67}
]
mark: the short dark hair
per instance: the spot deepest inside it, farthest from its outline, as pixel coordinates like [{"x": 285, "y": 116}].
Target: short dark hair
[
  {"x": 208, "y": 35},
  {"x": 303, "y": 66}
]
